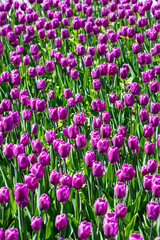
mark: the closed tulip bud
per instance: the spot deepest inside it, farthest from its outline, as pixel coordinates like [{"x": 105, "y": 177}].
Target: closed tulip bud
[
  {"x": 118, "y": 140},
  {"x": 44, "y": 202},
  {"x": 18, "y": 149},
  {"x": 97, "y": 122},
  {"x": 11, "y": 233},
  {"x": 88, "y": 60},
  {"x": 135, "y": 236},
  {"x": 122, "y": 130},
  {"x": 73, "y": 131},
  {"x": 84, "y": 230},
  {"x": 26, "y": 114},
  {"x": 24, "y": 139},
  {"x": 34, "y": 129},
  {"x": 135, "y": 88},
  {"x": 31, "y": 181},
  {"x": 129, "y": 99},
  {"x": 156, "y": 189},
  {"x": 128, "y": 171},
  {"x": 61, "y": 222},
  {"x": 23, "y": 161},
  {"x": 54, "y": 177},
  {"x": 123, "y": 73},
  {"x": 152, "y": 165},
  {"x": 112, "y": 69},
  {"x": 71, "y": 102},
  {"x": 40, "y": 70},
  {"x": 135, "y": 48},
  {"x": 147, "y": 182},
  {"x": 113, "y": 154},
  {"x": 96, "y": 84},
  {"x": 50, "y": 136},
  {"x": 62, "y": 193},
  {"x": 36, "y": 145},
  {"x": 37, "y": 169},
  {"x": 133, "y": 142},
  {"x": 79, "y": 119},
  {"x": 6, "y": 105},
  {"x": 153, "y": 210},
  {"x": 143, "y": 100},
  {"x": 8, "y": 150},
  {"x": 144, "y": 170},
  {"x": 148, "y": 131},
  {"x": 154, "y": 86},
  {"x": 94, "y": 141},
  {"x": 78, "y": 181},
  {"x": 110, "y": 57},
  {"x": 49, "y": 65},
  {"x": 36, "y": 223},
  {"x": 113, "y": 97},
  {"x": 149, "y": 148},
  {"x": 97, "y": 169},
  {"x": 21, "y": 194},
  {"x": 44, "y": 158},
  {"x": 4, "y": 195},
  {"x": 106, "y": 131},
  {"x": 14, "y": 94},
  {"x": 89, "y": 158},
  {"x": 66, "y": 180},
  {"x": 103, "y": 145},
  {"x": 62, "y": 113},
  {"x": 141, "y": 58},
  {"x": 100, "y": 207},
  {"x": 78, "y": 97},
  {"x": 81, "y": 141},
  {"x": 121, "y": 210},
  {"x": 155, "y": 107},
  {"x": 120, "y": 190},
  {"x": 34, "y": 49},
  {"x": 120, "y": 175},
  {"x": 32, "y": 72},
  {"x": 67, "y": 93},
  {"x": 5, "y": 77},
  {"x": 64, "y": 150},
  {"x": 95, "y": 73},
  {"x": 144, "y": 115},
  {"x": 110, "y": 229},
  {"x": 40, "y": 105}
]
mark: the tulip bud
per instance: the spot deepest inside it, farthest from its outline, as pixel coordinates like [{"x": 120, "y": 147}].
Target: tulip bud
[
  {"x": 97, "y": 169},
  {"x": 36, "y": 223},
  {"x": 121, "y": 210},
  {"x": 100, "y": 207},
  {"x": 61, "y": 222},
  {"x": 84, "y": 230},
  {"x": 62, "y": 193},
  {"x": 4, "y": 195},
  {"x": 44, "y": 202},
  {"x": 153, "y": 210},
  {"x": 78, "y": 181},
  {"x": 113, "y": 154},
  {"x": 66, "y": 180},
  {"x": 120, "y": 190}
]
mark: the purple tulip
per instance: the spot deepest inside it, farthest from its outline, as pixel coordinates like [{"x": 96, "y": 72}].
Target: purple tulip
[
  {"x": 84, "y": 230},
  {"x": 100, "y": 207}
]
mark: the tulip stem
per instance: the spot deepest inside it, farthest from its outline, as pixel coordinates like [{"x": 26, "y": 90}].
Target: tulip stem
[
  {"x": 99, "y": 223},
  {"x": 103, "y": 159},
  {"x": 46, "y": 217},
  {"x": 32, "y": 202},
  {"x": 52, "y": 81},
  {"x": 3, "y": 213},
  {"x": 122, "y": 228},
  {"x": 130, "y": 113},
  {"x": 65, "y": 165},
  {"x": 22, "y": 212},
  {"x": 60, "y": 234},
  {"x": 155, "y": 140},
  {"x": 112, "y": 85},
  {"x": 60, "y": 164},
  {"x": 35, "y": 87},
  {"x": 151, "y": 231},
  {"x": 55, "y": 197},
  {"x": 158, "y": 200},
  {"x": 137, "y": 107},
  {"x": 91, "y": 186},
  {"x": 114, "y": 179},
  {"x": 148, "y": 196},
  {"x": 11, "y": 171},
  {"x": 77, "y": 206},
  {"x": 99, "y": 190},
  {"x": 130, "y": 192}
]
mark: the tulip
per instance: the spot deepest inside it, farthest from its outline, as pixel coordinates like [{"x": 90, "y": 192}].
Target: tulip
[
  {"x": 153, "y": 210},
  {"x": 11, "y": 233},
  {"x": 62, "y": 193},
  {"x": 61, "y": 222},
  {"x": 135, "y": 236},
  {"x": 120, "y": 190},
  {"x": 36, "y": 223},
  {"x": 84, "y": 230}
]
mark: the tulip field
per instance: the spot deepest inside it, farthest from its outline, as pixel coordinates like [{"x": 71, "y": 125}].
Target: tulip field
[{"x": 79, "y": 120}]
